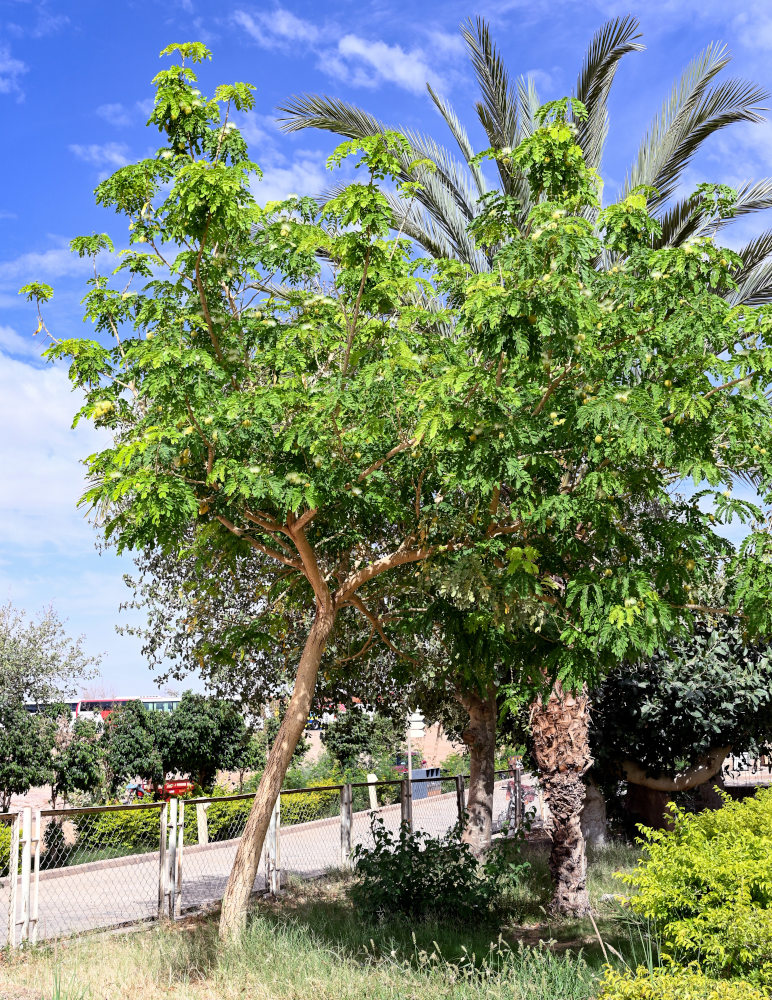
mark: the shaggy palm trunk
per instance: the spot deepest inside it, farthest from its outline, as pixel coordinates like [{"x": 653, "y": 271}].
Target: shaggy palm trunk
[
  {"x": 242, "y": 878},
  {"x": 480, "y": 737},
  {"x": 560, "y": 729}
]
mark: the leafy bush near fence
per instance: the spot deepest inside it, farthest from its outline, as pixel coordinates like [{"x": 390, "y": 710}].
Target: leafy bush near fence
[
  {"x": 226, "y": 819},
  {"x": 419, "y": 876},
  {"x": 674, "y": 984},
  {"x": 707, "y": 885},
  {"x": 116, "y": 832},
  {"x": 302, "y": 807},
  {"x": 5, "y": 849}
]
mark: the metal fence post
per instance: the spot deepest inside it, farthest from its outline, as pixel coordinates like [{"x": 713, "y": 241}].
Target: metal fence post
[
  {"x": 162, "y": 866},
  {"x": 518, "y": 790},
  {"x": 177, "y": 899},
  {"x": 406, "y": 803},
  {"x": 26, "y": 859},
  {"x": 272, "y": 848},
  {"x": 346, "y": 819},
  {"x": 35, "y": 888},
  {"x": 172, "y": 867},
  {"x": 460, "y": 804},
  {"x": 13, "y": 873}
]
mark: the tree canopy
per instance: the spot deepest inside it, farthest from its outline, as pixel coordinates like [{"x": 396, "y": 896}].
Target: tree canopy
[{"x": 293, "y": 381}]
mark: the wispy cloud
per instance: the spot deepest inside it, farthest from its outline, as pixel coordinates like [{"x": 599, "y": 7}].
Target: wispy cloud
[
  {"x": 41, "y": 265},
  {"x": 276, "y": 29},
  {"x": 45, "y": 23},
  {"x": 11, "y": 72},
  {"x": 122, "y": 115},
  {"x": 101, "y": 155},
  {"x": 370, "y": 63},
  {"x": 16, "y": 345}
]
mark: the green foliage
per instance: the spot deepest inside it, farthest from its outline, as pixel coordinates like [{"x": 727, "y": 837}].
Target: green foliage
[
  {"x": 712, "y": 689},
  {"x": 77, "y": 762},
  {"x": 707, "y": 884},
  {"x": 355, "y": 734},
  {"x": 118, "y": 831},
  {"x": 203, "y": 735},
  {"x": 302, "y": 807},
  {"x": 674, "y": 984},
  {"x": 136, "y": 744},
  {"x": 26, "y": 742},
  {"x": 5, "y": 849},
  {"x": 420, "y": 876}
]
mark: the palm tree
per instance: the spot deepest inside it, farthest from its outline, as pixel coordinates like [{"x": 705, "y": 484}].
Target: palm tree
[{"x": 438, "y": 220}]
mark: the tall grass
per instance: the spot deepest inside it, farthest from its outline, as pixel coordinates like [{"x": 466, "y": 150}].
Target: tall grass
[{"x": 315, "y": 945}]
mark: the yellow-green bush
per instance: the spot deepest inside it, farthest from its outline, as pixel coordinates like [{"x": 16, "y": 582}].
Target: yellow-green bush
[
  {"x": 120, "y": 831},
  {"x": 707, "y": 885},
  {"x": 301, "y": 807},
  {"x": 5, "y": 849},
  {"x": 674, "y": 984}
]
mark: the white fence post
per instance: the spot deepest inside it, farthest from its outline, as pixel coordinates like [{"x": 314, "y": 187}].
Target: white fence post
[
  {"x": 177, "y": 910},
  {"x": 26, "y": 859},
  {"x": 13, "y": 875},
  {"x": 372, "y": 781},
  {"x": 35, "y": 888},
  {"x": 202, "y": 823},
  {"x": 172, "y": 867},
  {"x": 272, "y": 849},
  {"x": 163, "y": 870},
  {"x": 346, "y": 818}
]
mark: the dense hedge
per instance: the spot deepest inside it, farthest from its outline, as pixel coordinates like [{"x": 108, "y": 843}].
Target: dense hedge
[
  {"x": 674, "y": 984},
  {"x": 707, "y": 885}
]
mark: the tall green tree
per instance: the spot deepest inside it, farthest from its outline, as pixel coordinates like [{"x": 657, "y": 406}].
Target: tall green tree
[
  {"x": 77, "y": 759},
  {"x": 205, "y": 735},
  {"x": 285, "y": 383},
  {"x": 274, "y": 398},
  {"x": 454, "y": 193},
  {"x": 26, "y": 742}
]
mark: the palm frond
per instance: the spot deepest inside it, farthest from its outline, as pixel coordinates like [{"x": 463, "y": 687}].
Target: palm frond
[
  {"x": 497, "y": 110},
  {"x": 688, "y": 117},
  {"x": 613, "y": 40},
  {"x": 459, "y": 133},
  {"x": 751, "y": 197},
  {"x": 755, "y": 277},
  {"x": 328, "y": 113}
]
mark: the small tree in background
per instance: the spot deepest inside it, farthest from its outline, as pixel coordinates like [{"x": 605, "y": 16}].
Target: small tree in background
[
  {"x": 77, "y": 759},
  {"x": 26, "y": 742},
  {"x": 356, "y": 734},
  {"x": 136, "y": 745},
  {"x": 204, "y": 735}
]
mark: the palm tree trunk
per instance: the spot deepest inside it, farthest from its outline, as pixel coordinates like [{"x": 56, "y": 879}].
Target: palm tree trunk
[
  {"x": 560, "y": 729},
  {"x": 480, "y": 737},
  {"x": 235, "y": 901}
]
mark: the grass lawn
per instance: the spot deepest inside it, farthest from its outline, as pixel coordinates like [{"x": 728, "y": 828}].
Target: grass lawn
[{"x": 312, "y": 944}]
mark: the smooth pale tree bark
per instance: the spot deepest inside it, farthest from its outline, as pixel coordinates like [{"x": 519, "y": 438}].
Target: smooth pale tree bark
[
  {"x": 234, "y": 905},
  {"x": 705, "y": 769},
  {"x": 561, "y": 747},
  {"x": 480, "y": 737}
]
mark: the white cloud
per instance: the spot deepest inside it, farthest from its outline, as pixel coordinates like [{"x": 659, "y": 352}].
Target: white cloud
[
  {"x": 41, "y": 459},
  {"x": 11, "y": 71},
  {"x": 305, "y": 175},
  {"x": 115, "y": 114},
  {"x": 108, "y": 154},
  {"x": 388, "y": 63},
  {"x": 45, "y": 265},
  {"x": 276, "y": 29},
  {"x": 16, "y": 344}
]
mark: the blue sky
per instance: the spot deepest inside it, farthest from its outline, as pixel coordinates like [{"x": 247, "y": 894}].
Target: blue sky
[{"x": 74, "y": 90}]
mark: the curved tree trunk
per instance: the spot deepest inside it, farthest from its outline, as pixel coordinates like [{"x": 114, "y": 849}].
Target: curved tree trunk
[
  {"x": 480, "y": 737},
  {"x": 707, "y": 767},
  {"x": 561, "y": 748},
  {"x": 242, "y": 878}
]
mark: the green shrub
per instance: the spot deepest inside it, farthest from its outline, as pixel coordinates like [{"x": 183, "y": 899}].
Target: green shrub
[
  {"x": 419, "y": 876},
  {"x": 707, "y": 886},
  {"x": 117, "y": 832},
  {"x": 5, "y": 849},
  {"x": 674, "y": 984},
  {"x": 302, "y": 807},
  {"x": 226, "y": 820}
]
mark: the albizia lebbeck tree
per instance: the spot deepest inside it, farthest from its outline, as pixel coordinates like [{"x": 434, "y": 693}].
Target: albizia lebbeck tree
[{"x": 293, "y": 379}]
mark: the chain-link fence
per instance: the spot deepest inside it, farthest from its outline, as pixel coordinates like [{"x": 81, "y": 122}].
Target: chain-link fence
[
  {"x": 105, "y": 866},
  {"x": 9, "y": 876},
  {"x": 97, "y": 867},
  {"x": 212, "y": 829}
]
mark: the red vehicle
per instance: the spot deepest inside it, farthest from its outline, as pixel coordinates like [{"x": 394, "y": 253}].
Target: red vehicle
[{"x": 170, "y": 789}]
